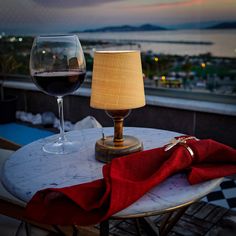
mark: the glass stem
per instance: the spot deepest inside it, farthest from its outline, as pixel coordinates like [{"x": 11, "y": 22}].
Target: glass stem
[{"x": 61, "y": 119}]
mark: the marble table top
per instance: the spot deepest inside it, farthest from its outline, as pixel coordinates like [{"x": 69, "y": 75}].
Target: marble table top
[{"x": 30, "y": 169}]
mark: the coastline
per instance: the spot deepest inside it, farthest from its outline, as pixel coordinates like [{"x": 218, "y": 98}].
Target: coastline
[
  {"x": 128, "y": 41},
  {"x": 219, "y": 43}
]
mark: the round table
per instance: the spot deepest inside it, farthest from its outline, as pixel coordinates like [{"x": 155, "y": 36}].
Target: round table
[{"x": 30, "y": 169}]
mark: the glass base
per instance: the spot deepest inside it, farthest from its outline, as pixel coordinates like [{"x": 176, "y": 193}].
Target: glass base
[{"x": 59, "y": 147}]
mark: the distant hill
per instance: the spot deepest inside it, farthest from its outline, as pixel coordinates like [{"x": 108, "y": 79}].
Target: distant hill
[
  {"x": 224, "y": 25},
  {"x": 127, "y": 28}
]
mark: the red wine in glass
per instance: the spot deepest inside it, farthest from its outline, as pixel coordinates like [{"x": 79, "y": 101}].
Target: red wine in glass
[
  {"x": 58, "y": 68},
  {"x": 59, "y": 83}
]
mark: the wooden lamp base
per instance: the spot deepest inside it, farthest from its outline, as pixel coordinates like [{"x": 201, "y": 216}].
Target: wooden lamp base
[
  {"x": 106, "y": 149},
  {"x": 118, "y": 145}
]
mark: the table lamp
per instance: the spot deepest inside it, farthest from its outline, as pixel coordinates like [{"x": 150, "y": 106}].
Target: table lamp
[{"x": 117, "y": 87}]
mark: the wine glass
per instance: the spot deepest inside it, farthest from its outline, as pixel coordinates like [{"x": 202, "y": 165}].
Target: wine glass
[{"x": 58, "y": 68}]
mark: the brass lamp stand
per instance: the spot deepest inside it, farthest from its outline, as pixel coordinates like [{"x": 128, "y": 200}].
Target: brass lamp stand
[{"x": 111, "y": 147}]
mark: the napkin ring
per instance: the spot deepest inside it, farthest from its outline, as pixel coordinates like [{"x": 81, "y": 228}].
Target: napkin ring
[{"x": 181, "y": 141}]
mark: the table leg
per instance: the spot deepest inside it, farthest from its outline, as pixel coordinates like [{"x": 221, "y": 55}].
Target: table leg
[
  {"x": 27, "y": 229},
  {"x": 19, "y": 228},
  {"x": 75, "y": 231},
  {"x": 149, "y": 226},
  {"x": 170, "y": 220},
  {"x": 165, "y": 221},
  {"x": 26, "y": 226},
  {"x": 138, "y": 227},
  {"x": 104, "y": 228},
  {"x": 58, "y": 230}
]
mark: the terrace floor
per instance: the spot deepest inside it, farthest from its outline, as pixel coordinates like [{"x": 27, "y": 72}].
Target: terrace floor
[
  {"x": 214, "y": 215},
  {"x": 201, "y": 218}
]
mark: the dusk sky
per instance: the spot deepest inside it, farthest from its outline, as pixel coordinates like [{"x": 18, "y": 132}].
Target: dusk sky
[{"x": 45, "y": 16}]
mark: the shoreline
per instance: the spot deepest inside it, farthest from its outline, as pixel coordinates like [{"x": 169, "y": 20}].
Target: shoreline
[{"x": 130, "y": 41}]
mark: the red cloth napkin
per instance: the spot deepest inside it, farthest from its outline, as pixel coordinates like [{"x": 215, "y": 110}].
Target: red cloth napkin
[{"x": 127, "y": 179}]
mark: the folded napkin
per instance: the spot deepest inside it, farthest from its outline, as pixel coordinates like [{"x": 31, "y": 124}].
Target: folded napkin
[{"x": 125, "y": 180}]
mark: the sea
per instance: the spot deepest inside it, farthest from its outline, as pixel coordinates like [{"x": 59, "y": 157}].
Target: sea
[{"x": 220, "y": 43}]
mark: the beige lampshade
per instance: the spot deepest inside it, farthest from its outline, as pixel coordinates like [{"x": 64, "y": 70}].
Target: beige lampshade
[{"x": 117, "y": 81}]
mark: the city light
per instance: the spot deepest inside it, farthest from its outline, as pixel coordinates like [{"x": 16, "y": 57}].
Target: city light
[
  {"x": 12, "y": 39},
  {"x": 163, "y": 78},
  {"x": 43, "y": 51},
  {"x": 156, "y": 59},
  {"x": 203, "y": 65},
  {"x": 20, "y": 39}
]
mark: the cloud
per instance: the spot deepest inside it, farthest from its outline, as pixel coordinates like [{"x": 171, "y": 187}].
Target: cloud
[
  {"x": 179, "y": 3},
  {"x": 72, "y": 3},
  {"x": 174, "y": 3}
]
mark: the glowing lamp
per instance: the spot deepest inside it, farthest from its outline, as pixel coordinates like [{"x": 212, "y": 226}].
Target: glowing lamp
[{"x": 117, "y": 87}]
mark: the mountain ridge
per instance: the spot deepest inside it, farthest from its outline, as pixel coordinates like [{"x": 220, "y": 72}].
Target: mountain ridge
[
  {"x": 224, "y": 25},
  {"x": 152, "y": 27},
  {"x": 126, "y": 28}
]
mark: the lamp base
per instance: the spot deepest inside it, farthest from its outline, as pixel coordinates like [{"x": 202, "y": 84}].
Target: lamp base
[{"x": 106, "y": 149}]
